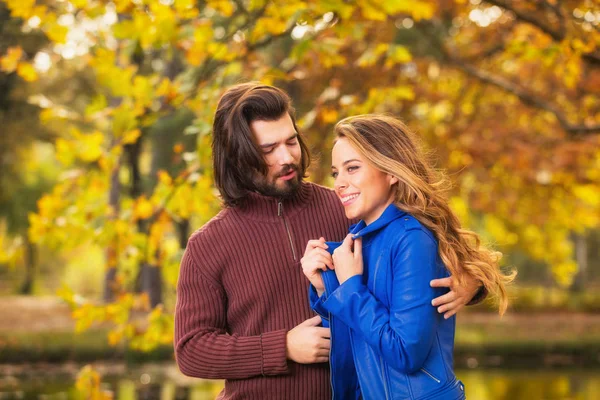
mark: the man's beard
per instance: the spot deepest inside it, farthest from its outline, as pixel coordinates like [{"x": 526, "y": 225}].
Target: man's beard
[{"x": 288, "y": 189}]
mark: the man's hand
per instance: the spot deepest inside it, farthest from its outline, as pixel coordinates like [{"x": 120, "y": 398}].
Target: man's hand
[
  {"x": 308, "y": 343},
  {"x": 316, "y": 259},
  {"x": 457, "y": 297},
  {"x": 348, "y": 259}
]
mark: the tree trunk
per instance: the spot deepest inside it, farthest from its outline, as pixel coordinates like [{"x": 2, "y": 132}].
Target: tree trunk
[
  {"x": 183, "y": 232},
  {"x": 151, "y": 283},
  {"x": 581, "y": 252},
  {"x": 110, "y": 281},
  {"x": 30, "y": 267}
]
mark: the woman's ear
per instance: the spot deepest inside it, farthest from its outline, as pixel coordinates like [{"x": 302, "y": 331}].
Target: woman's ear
[{"x": 392, "y": 179}]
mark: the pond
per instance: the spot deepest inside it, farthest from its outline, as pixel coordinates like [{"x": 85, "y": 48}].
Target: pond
[{"x": 164, "y": 382}]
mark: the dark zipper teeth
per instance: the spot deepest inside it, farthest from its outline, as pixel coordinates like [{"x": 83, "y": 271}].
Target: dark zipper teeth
[
  {"x": 287, "y": 229},
  {"x": 330, "y": 359},
  {"x": 430, "y": 375}
]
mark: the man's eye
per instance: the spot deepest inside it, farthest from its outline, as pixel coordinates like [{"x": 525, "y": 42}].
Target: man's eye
[
  {"x": 292, "y": 141},
  {"x": 268, "y": 151}
]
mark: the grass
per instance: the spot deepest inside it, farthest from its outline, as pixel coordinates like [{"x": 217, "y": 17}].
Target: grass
[
  {"x": 485, "y": 339},
  {"x": 59, "y": 346}
]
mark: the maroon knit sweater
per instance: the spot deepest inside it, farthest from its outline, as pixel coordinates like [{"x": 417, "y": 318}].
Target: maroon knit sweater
[{"x": 241, "y": 289}]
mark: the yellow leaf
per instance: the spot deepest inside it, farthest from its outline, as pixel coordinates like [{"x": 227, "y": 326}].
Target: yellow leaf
[
  {"x": 143, "y": 208},
  {"x": 125, "y": 29},
  {"x": 399, "y": 54},
  {"x": 27, "y": 72},
  {"x": 589, "y": 194},
  {"x": 329, "y": 115},
  {"x": 164, "y": 178},
  {"x": 114, "y": 337},
  {"x": 90, "y": 146},
  {"x": 21, "y": 8},
  {"x": 131, "y": 136},
  {"x": 10, "y": 61},
  {"x": 372, "y": 13},
  {"x": 178, "y": 148},
  {"x": 57, "y": 33},
  {"x": 99, "y": 103},
  {"x": 79, "y": 3},
  {"x": 224, "y": 7},
  {"x": 142, "y": 91},
  {"x": 123, "y": 5},
  {"x": 124, "y": 120}
]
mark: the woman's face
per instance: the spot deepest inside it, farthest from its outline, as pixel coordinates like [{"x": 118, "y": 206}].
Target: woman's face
[{"x": 364, "y": 190}]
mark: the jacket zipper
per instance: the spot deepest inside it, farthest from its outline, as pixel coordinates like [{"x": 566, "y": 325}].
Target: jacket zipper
[
  {"x": 383, "y": 377},
  {"x": 331, "y": 359},
  {"x": 431, "y": 376},
  {"x": 287, "y": 229}
]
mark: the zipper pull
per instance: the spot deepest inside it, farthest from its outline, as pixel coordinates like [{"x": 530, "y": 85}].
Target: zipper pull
[{"x": 279, "y": 209}]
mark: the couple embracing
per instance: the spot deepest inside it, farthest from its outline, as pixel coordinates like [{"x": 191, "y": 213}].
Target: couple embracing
[{"x": 385, "y": 267}]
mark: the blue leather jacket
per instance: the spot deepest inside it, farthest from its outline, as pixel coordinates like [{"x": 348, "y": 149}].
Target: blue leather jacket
[{"x": 387, "y": 340}]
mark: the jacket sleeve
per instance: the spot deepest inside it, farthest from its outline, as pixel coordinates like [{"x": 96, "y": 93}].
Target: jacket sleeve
[
  {"x": 203, "y": 348},
  {"x": 404, "y": 334},
  {"x": 316, "y": 302},
  {"x": 479, "y": 296}
]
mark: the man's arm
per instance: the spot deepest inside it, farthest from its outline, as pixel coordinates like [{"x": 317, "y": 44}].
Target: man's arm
[
  {"x": 472, "y": 292},
  {"x": 203, "y": 348}
]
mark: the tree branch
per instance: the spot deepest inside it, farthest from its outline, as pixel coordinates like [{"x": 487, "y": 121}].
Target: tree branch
[
  {"x": 525, "y": 97},
  {"x": 510, "y": 87},
  {"x": 557, "y": 35}
]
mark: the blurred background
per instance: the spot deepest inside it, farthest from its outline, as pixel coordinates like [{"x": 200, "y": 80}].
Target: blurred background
[{"x": 105, "y": 169}]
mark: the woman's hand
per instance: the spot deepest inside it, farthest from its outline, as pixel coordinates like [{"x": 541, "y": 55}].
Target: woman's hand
[
  {"x": 316, "y": 259},
  {"x": 348, "y": 262}
]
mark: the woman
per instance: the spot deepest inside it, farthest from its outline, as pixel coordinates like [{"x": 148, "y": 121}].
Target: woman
[{"x": 377, "y": 299}]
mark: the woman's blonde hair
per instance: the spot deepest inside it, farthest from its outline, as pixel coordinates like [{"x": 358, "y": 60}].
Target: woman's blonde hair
[{"x": 388, "y": 144}]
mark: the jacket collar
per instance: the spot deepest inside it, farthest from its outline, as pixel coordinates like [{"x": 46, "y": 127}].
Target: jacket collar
[
  {"x": 391, "y": 213},
  {"x": 262, "y": 208}
]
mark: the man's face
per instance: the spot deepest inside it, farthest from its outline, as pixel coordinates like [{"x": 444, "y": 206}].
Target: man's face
[{"x": 279, "y": 143}]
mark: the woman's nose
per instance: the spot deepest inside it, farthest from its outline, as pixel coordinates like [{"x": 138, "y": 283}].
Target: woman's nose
[{"x": 339, "y": 184}]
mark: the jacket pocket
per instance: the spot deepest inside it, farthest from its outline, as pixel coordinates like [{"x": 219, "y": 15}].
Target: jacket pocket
[
  {"x": 429, "y": 374},
  {"x": 425, "y": 382}
]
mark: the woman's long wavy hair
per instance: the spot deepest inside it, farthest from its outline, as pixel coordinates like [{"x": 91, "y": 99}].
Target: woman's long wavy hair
[{"x": 390, "y": 146}]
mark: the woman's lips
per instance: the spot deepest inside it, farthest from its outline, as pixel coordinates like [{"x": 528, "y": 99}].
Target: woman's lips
[{"x": 349, "y": 199}]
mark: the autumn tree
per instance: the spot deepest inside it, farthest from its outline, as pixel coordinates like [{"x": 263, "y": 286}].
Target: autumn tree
[{"x": 504, "y": 92}]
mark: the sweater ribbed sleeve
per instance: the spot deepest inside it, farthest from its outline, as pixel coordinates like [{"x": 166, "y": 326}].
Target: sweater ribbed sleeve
[{"x": 204, "y": 349}]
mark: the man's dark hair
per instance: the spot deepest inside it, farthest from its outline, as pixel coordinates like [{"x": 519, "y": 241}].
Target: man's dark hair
[{"x": 237, "y": 157}]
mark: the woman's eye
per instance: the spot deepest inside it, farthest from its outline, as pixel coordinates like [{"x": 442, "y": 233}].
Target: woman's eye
[
  {"x": 292, "y": 142},
  {"x": 353, "y": 168},
  {"x": 334, "y": 175},
  {"x": 268, "y": 151}
]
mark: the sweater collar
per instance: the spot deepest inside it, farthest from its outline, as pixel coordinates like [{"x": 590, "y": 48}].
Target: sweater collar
[
  {"x": 259, "y": 207},
  {"x": 391, "y": 213}
]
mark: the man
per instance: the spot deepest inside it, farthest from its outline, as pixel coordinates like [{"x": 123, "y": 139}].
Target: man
[{"x": 242, "y": 310}]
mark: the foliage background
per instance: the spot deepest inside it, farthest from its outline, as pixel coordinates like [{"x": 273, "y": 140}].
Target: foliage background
[{"x": 106, "y": 112}]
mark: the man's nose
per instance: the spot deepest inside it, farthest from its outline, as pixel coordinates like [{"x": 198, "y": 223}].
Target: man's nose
[{"x": 285, "y": 156}]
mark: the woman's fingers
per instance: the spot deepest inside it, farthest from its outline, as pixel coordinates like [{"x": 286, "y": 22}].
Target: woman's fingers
[
  {"x": 313, "y": 244},
  {"x": 358, "y": 248}
]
